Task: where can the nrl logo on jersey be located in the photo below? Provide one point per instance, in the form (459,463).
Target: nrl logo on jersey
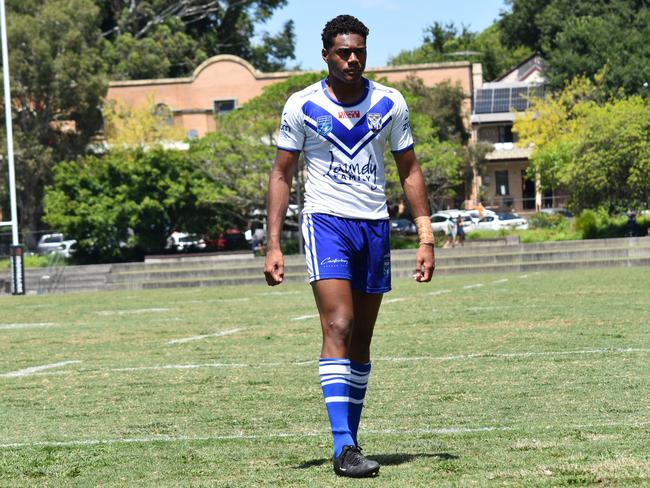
(324,124)
(374,121)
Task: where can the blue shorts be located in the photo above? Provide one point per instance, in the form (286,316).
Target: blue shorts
(349,249)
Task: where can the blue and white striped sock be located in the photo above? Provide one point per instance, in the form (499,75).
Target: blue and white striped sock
(335,382)
(359,374)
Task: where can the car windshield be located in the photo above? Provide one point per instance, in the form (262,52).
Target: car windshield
(507,216)
(439,218)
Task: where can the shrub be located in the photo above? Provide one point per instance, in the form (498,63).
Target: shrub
(587,224)
(548,221)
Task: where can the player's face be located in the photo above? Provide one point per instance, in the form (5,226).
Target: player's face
(346,59)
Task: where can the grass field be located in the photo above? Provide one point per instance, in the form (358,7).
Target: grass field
(485,380)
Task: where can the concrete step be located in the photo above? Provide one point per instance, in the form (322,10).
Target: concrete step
(399,260)
(188,270)
(396,273)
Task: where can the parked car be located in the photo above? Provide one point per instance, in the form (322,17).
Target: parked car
(439,220)
(509,220)
(230,240)
(403,227)
(476,215)
(182,241)
(55,243)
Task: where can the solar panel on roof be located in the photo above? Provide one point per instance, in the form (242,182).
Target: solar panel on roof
(502,100)
(519,98)
(483,101)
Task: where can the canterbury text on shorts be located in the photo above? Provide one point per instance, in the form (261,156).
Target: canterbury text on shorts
(357,250)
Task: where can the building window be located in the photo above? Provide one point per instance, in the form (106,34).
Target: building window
(505,133)
(224,106)
(165,113)
(501,179)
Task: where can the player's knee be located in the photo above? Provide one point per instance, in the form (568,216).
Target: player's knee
(338,328)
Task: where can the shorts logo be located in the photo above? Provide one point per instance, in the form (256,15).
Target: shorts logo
(374,121)
(351,114)
(328,261)
(387,265)
(324,124)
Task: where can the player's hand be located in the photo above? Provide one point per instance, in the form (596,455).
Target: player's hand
(425,263)
(274,267)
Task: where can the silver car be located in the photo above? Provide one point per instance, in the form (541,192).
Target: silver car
(55,243)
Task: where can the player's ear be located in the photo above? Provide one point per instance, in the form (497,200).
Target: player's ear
(325,54)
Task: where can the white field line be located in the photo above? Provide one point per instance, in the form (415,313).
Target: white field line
(205,336)
(394,300)
(523,277)
(36,369)
(278,293)
(215,300)
(133,312)
(279,435)
(477,285)
(439,292)
(459,357)
(36,325)
(181,366)
(488,355)
(504,280)
(304,317)
(523,305)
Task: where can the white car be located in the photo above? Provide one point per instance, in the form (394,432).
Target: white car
(55,243)
(182,241)
(439,220)
(500,221)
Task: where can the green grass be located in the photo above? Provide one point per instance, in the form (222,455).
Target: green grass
(540,380)
(34,261)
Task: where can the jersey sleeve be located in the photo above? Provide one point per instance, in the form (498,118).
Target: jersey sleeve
(401,138)
(292,126)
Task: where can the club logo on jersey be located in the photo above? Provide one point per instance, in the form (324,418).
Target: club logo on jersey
(374,121)
(324,124)
(350,114)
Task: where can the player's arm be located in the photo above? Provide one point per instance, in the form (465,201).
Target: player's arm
(412,180)
(276,210)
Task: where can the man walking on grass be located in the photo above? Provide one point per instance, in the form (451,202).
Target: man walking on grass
(342,124)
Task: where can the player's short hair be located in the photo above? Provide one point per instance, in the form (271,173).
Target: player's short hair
(342,24)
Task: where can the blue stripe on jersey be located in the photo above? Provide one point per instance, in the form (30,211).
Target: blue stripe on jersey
(290,149)
(343,149)
(349,137)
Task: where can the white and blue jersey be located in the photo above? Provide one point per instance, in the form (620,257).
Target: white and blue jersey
(344,145)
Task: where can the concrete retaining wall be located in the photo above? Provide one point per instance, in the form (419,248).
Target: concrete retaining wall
(243,268)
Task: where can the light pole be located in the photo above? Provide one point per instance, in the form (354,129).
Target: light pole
(17,264)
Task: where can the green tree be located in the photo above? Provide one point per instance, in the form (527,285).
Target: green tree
(598,150)
(57,80)
(125,203)
(165,38)
(438,130)
(582,37)
(448,43)
(242,150)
